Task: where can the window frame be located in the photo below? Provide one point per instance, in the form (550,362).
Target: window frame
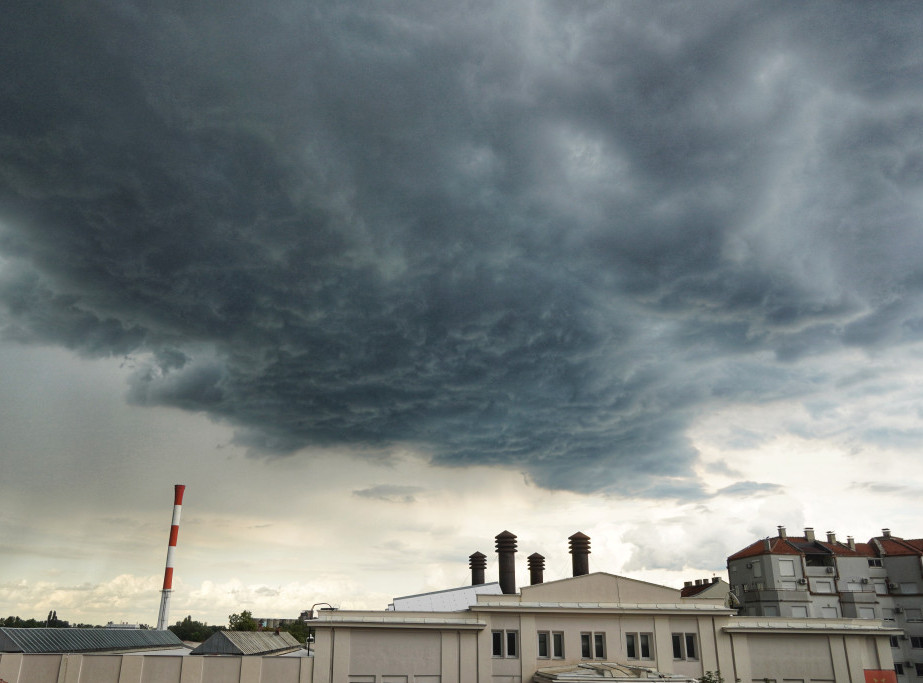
(544,636)
(681,642)
(507,638)
(642,643)
(592,645)
(557,638)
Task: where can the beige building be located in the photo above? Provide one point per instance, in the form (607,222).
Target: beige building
(592,618)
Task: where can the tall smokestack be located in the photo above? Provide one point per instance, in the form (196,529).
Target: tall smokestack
(506,550)
(164,614)
(478,563)
(580,553)
(536,568)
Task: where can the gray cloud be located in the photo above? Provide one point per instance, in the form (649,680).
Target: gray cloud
(389,493)
(545,244)
(749,488)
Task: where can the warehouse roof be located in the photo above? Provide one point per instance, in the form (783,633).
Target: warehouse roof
(47,640)
(247,643)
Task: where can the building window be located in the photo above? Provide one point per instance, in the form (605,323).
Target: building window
(557,645)
(505,643)
(592,645)
(893,641)
(919,669)
(543,651)
(639,645)
(916,641)
(786,567)
(685,646)
(512,642)
(874,562)
(899,669)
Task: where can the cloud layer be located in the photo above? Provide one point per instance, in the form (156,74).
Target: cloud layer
(540,237)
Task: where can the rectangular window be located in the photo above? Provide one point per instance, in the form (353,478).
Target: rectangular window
(557,645)
(691,649)
(899,669)
(631,647)
(919,669)
(916,642)
(645,641)
(512,642)
(893,641)
(874,562)
(543,645)
(505,643)
(593,645)
(599,645)
(685,646)
(786,567)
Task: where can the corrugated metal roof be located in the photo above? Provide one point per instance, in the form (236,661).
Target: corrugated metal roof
(45,640)
(247,643)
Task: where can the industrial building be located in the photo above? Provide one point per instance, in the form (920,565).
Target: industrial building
(805,577)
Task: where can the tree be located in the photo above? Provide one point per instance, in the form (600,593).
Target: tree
(712,677)
(242,622)
(298,629)
(193,631)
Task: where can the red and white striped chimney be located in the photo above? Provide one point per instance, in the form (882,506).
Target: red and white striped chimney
(164,614)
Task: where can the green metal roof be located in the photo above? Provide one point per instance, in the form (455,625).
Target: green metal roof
(44,640)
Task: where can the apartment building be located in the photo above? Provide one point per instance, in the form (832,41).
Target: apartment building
(806,577)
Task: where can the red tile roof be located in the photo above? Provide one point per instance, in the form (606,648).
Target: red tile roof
(688,591)
(800,545)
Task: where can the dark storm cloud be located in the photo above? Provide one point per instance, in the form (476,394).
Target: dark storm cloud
(544,237)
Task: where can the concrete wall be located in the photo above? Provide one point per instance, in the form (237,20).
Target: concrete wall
(75,668)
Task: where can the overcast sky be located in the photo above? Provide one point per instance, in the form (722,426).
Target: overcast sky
(378,281)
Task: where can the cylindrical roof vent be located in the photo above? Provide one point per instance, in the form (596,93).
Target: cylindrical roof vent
(536,568)
(478,563)
(580,553)
(506,553)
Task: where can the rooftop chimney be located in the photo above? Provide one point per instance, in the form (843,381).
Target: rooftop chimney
(536,568)
(715,579)
(580,553)
(851,542)
(698,582)
(782,533)
(809,533)
(686,584)
(478,563)
(831,537)
(886,533)
(506,551)
(767,543)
